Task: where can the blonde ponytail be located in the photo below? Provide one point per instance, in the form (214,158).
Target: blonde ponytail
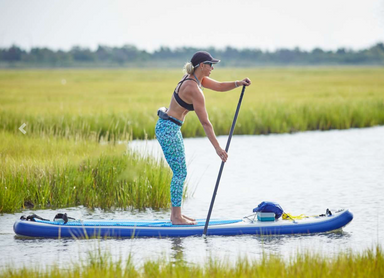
(188,68)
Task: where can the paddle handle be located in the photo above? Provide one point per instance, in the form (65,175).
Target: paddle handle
(222,163)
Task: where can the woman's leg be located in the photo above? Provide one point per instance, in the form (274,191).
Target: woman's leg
(172,144)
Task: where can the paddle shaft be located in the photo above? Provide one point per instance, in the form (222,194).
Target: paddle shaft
(222,163)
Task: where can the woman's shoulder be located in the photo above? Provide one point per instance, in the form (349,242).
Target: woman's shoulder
(190,90)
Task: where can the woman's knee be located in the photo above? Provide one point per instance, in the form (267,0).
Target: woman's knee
(180,174)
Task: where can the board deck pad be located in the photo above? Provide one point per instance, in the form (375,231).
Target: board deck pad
(139,223)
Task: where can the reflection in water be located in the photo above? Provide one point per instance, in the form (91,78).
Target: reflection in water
(276,240)
(177,250)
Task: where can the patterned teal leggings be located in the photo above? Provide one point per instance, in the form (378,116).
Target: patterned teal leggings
(171,141)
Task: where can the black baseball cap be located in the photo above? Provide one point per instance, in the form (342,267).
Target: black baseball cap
(203,57)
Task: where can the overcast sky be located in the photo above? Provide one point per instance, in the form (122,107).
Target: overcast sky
(149,24)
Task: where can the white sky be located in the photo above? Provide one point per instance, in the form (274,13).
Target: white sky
(149,24)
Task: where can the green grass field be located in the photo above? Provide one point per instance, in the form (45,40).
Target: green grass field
(54,172)
(116,104)
(369,263)
(59,161)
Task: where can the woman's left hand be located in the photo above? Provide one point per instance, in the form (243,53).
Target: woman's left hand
(246,81)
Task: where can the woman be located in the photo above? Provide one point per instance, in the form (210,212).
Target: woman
(188,96)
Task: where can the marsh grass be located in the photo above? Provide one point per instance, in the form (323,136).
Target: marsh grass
(369,263)
(117,104)
(55,172)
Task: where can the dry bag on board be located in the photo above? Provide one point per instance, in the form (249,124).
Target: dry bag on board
(269,207)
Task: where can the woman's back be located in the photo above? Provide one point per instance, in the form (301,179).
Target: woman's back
(182,98)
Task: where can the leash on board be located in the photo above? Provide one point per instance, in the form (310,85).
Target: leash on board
(222,163)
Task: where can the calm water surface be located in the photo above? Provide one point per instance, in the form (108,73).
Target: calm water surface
(304,172)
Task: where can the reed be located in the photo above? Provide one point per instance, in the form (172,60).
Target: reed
(55,173)
(116,104)
(369,263)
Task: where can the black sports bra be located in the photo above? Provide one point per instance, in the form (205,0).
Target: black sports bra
(181,102)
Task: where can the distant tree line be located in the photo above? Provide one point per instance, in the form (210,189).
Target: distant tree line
(131,56)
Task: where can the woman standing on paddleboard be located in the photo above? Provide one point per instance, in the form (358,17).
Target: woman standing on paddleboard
(188,96)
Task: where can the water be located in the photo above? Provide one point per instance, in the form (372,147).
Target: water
(304,172)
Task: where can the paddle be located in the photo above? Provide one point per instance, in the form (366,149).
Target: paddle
(222,163)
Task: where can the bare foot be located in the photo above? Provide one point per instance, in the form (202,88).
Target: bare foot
(182,221)
(186,217)
(189,218)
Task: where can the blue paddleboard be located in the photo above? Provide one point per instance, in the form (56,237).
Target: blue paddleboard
(161,228)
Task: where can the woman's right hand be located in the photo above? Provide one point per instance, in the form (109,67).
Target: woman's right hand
(222,154)
(246,82)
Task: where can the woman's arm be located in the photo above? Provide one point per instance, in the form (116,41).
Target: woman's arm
(201,112)
(214,85)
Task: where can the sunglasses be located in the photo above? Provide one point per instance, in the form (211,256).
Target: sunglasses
(210,64)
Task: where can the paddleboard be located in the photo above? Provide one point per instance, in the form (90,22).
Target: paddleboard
(160,228)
